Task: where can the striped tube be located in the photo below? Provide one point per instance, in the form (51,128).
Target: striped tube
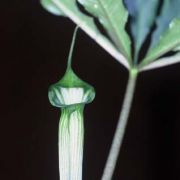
(71,133)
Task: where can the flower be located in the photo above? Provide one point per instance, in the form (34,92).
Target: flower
(71,94)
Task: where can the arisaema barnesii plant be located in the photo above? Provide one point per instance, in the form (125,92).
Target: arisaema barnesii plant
(153,28)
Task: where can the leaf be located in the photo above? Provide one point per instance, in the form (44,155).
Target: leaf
(51,7)
(168,41)
(162,62)
(177,48)
(143,14)
(113,16)
(169,11)
(86,23)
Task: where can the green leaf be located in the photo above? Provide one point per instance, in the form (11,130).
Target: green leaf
(168,41)
(113,16)
(143,14)
(86,23)
(170,10)
(162,62)
(176,48)
(51,7)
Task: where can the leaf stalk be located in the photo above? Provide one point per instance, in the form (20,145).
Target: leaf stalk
(121,126)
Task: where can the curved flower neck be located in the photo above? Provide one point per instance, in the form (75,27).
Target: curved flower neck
(70,90)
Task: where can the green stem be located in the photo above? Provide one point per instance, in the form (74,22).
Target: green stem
(69,63)
(121,126)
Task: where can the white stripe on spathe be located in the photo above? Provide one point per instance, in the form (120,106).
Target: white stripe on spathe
(71,145)
(69,96)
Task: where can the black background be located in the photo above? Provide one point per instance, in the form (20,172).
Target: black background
(33,52)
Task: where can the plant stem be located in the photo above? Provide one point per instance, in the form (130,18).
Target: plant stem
(69,63)
(121,126)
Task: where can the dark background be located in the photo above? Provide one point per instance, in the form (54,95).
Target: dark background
(33,52)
